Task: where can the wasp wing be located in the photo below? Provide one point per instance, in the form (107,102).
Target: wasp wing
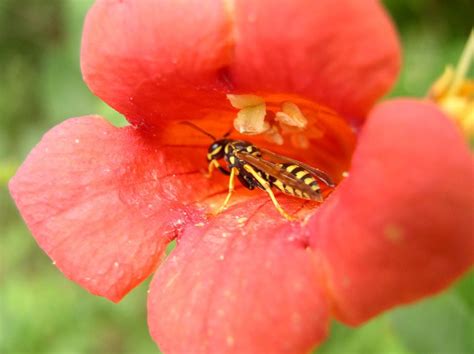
(276,171)
(316,172)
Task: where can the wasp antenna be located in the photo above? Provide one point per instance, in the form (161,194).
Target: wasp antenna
(198,129)
(228,133)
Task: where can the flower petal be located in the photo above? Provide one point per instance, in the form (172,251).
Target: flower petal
(103,202)
(400,227)
(153,59)
(344,54)
(242,283)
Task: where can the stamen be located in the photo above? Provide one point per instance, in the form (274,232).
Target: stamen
(274,136)
(454,92)
(300,141)
(276,119)
(245,101)
(291,115)
(251,120)
(251,117)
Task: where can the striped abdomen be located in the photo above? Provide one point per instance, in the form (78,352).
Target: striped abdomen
(302,180)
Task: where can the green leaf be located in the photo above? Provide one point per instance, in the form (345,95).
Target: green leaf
(439,325)
(377,336)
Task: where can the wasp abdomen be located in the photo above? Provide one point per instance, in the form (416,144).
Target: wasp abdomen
(301,175)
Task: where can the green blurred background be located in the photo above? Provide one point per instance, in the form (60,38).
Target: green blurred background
(41,85)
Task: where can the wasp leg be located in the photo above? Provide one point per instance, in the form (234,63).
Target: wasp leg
(213,164)
(231,189)
(268,189)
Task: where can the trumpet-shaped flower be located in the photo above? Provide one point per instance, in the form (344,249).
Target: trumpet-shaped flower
(303,76)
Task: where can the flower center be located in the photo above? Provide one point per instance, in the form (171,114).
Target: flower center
(284,124)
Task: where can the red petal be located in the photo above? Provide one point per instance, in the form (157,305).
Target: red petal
(344,54)
(103,202)
(152,59)
(400,227)
(243,283)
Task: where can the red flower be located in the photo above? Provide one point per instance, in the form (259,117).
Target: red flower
(104,202)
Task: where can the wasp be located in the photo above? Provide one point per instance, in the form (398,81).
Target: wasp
(261,168)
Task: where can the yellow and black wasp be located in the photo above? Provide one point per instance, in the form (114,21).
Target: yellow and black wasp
(261,168)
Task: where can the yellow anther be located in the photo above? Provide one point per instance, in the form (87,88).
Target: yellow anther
(291,115)
(245,101)
(275,121)
(454,92)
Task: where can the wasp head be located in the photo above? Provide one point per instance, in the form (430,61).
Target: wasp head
(216,150)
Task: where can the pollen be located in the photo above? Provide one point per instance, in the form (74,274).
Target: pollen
(241,220)
(453,92)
